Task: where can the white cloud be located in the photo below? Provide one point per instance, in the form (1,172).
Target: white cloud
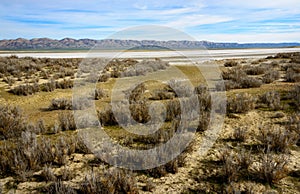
(255,4)
(252,38)
(196,20)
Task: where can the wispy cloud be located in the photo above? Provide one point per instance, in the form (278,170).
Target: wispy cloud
(215,20)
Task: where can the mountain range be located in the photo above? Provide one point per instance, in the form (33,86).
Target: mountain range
(69,43)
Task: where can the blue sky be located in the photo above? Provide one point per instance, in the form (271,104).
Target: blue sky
(212,20)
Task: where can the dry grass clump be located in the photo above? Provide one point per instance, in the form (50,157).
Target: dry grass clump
(241,103)
(110,182)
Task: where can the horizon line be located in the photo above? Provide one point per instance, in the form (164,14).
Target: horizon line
(59,39)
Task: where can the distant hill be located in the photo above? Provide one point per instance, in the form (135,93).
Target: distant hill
(69,43)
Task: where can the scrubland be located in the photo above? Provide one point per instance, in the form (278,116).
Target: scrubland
(42,149)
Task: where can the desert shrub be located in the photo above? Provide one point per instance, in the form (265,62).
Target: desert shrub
(234,74)
(230,63)
(81,102)
(173,109)
(139,111)
(60,104)
(292,75)
(58,188)
(141,68)
(12,122)
(161,94)
(295,58)
(295,95)
(104,77)
(40,127)
(106,116)
(271,99)
(63,147)
(44,74)
(66,174)
(112,181)
(254,70)
(9,80)
(180,88)
(65,84)
(49,86)
(25,90)
(48,174)
(160,136)
(230,168)
(204,121)
(45,149)
(229,85)
(20,157)
(293,125)
(204,97)
(81,146)
(99,94)
(272,168)
(236,78)
(66,121)
(275,139)
(240,134)
(244,159)
(250,82)
(157,172)
(271,76)
(136,93)
(240,103)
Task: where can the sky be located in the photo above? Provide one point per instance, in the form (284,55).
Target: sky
(210,20)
